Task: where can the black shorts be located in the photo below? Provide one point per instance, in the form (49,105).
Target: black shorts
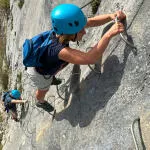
(12,107)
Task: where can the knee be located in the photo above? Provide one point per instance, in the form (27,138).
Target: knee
(14,114)
(40,94)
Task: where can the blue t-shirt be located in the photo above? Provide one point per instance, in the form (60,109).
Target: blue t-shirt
(50,60)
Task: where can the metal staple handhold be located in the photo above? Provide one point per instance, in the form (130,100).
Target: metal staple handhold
(122,36)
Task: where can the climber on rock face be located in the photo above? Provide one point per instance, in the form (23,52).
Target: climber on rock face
(69,24)
(10,99)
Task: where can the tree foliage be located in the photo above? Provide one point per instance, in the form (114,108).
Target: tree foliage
(4,7)
(95,4)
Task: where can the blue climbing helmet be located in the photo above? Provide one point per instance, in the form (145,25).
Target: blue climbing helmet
(67,19)
(15,94)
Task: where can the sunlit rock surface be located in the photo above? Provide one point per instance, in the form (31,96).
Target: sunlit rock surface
(96,111)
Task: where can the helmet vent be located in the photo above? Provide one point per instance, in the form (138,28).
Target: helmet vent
(70,24)
(76,23)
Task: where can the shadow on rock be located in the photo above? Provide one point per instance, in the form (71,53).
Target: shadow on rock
(24,111)
(94,92)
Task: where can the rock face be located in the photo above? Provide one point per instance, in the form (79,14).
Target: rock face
(96,111)
(145,127)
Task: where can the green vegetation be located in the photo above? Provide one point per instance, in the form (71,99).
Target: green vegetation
(1,118)
(4,73)
(2,48)
(20,88)
(1,146)
(1,135)
(5,79)
(20,3)
(4,13)
(3,68)
(11,22)
(4,8)
(19,79)
(4,5)
(18,84)
(95,4)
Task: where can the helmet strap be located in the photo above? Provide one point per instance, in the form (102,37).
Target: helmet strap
(11,96)
(76,38)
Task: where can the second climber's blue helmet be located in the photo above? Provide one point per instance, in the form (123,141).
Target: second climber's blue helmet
(67,19)
(15,94)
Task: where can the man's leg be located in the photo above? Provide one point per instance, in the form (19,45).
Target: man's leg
(40,95)
(13,112)
(14,115)
(42,83)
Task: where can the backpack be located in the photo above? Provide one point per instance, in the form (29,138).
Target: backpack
(4,95)
(35,47)
(5,102)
